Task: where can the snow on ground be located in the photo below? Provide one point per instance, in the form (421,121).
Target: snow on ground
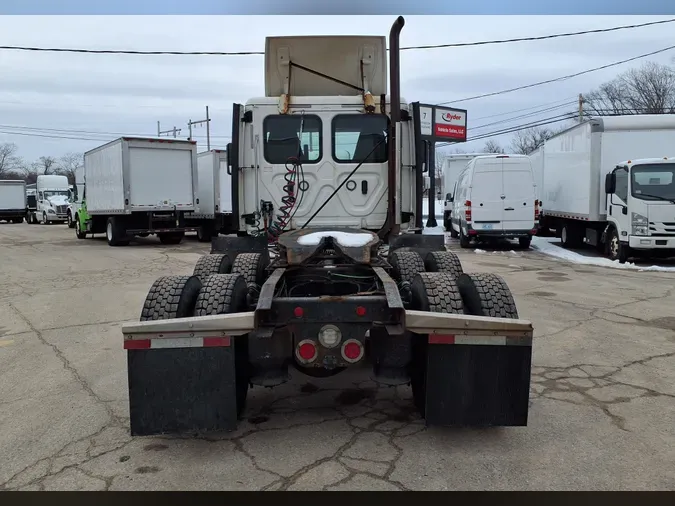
(440,205)
(545,246)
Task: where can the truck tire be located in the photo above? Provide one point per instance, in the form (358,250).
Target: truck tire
(487,295)
(44,218)
(405,265)
(78,228)
(171,297)
(525,242)
(615,250)
(71,223)
(453,233)
(116,233)
(204,234)
(251,266)
(227,294)
(436,292)
(171,237)
(18,220)
(208,265)
(443,261)
(464,241)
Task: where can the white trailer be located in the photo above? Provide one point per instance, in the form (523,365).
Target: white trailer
(13,203)
(452,166)
(215,196)
(53,194)
(140,186)
(609,181)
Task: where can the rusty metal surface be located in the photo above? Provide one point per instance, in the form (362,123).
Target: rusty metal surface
(296,253)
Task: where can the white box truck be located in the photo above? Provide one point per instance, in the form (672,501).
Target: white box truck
(13,203)
(214,191)
(452,166)
(53,193)
(609,181)
(137,187)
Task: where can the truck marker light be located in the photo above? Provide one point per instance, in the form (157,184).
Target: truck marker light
(306,351)
(298,312)
(330,336)
(141,344)
(360,311)
(352,351)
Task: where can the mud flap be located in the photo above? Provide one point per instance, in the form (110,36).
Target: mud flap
(477,385)
(178,390)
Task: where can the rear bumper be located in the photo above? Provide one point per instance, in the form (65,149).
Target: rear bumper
(502,233)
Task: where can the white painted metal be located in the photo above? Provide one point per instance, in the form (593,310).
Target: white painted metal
(12,195)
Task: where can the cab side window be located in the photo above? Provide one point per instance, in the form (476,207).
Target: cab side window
(622,184)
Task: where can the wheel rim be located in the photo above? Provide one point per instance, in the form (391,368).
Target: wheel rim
(70,220)
(77,226)
(564,235)
(614,246)
(44,217)
(108,231)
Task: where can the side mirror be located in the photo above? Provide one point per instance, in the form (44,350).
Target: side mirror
(449,197)
(610,183)
(305,152)
(624,210)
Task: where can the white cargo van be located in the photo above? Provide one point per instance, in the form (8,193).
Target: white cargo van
(452,167)
(495,197)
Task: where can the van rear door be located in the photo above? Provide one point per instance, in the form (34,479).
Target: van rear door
(519,195)
(487,208)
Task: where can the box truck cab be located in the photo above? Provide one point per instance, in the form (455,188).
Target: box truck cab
(641,208)
(495,198)
(53,194)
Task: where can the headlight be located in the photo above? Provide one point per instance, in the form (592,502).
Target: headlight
(640,224)
(51,211)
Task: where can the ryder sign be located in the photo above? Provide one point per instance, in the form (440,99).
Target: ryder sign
(440,124)
(450,124)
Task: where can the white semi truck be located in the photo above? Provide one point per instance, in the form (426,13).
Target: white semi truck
(52,199)
(610,182)
(214,190)
(137,187)
(13,203)
(76,193)
(329,269)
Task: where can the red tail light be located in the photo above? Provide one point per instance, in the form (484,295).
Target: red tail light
(306,351)
(536,210)
(352,351)
(467,211)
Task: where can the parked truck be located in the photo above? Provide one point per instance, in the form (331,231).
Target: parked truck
(329,269)
(215,196)
(53,194)
(609,182)
(76,194)
(31,204)
(138,187)
(13,203)
(453,164)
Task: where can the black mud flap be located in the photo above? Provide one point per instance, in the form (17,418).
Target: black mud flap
(236,245)
(477,385)
(179,390)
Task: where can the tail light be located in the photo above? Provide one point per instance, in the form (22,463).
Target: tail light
(536,210)
(352,351)
(467,211)
(306,351)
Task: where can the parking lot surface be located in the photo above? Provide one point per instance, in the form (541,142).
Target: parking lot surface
(602,410)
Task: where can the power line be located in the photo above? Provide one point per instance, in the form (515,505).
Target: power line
(562,78)
(92,132)
(574,98)
(249,53)
(530,114)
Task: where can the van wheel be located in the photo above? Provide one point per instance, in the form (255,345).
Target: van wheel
(464,241)
(71,223)
(525,242)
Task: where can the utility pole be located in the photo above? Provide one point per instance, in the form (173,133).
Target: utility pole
(581,107)
(173,131)
(208,130)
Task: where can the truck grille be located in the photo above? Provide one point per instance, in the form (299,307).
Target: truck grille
(661,229)
(61,209)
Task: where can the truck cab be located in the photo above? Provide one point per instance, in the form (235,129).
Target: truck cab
(53,194)
(641,208)
(294,147)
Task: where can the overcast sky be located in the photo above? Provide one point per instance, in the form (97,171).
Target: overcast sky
(71,95)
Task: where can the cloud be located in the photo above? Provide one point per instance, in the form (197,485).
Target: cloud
(124,93)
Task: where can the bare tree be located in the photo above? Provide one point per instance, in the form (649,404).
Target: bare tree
(493,147)
(9,162)
(649,89)
(45,165)
(69,164)
(528,140)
